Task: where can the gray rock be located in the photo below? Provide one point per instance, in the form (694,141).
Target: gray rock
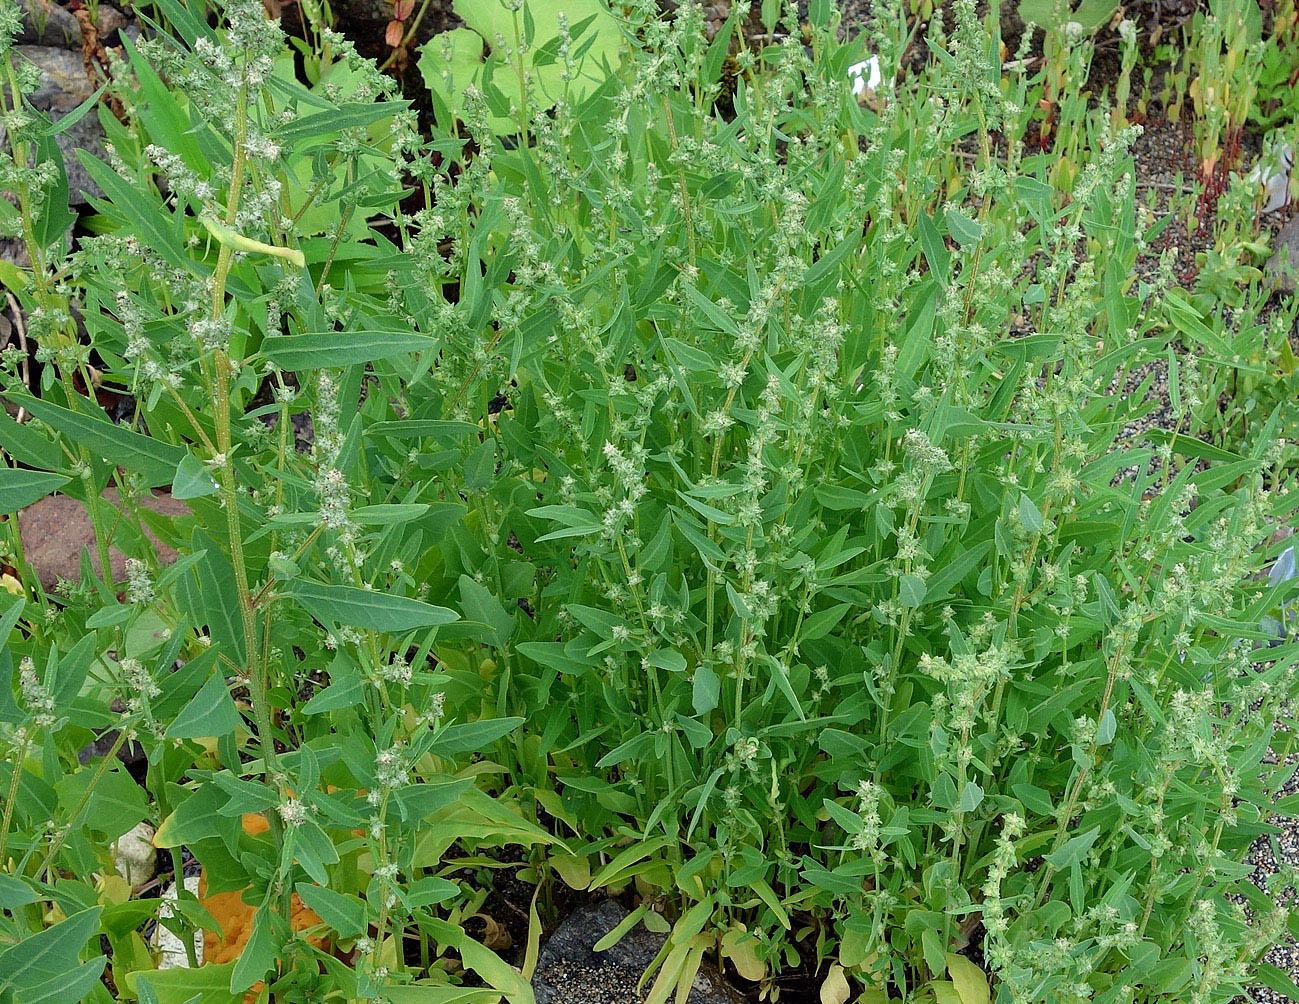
(569,971)
(108,20)
(1283,266)
(47,23)
(62,88)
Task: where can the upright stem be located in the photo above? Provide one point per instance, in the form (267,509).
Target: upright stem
(10,801)
(226,469)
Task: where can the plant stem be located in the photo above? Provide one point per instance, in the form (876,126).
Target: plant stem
(257,683)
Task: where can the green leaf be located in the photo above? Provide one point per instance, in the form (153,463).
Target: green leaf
(706,689)
(911,590)
(601,622)
(597,45)
(191,479)
(339,349)
(715,315)
(970,981)
(480,466)
(115,803)
(1276,979)
(480,605)
(1107,728)
(132,205)
(624,751)
(154,460)
(439,993)
(68,988)
(20,488)
(449,62)
(313,849)
(354,115)
(935,251)
(345,914)
(49,954)
(259,953)
(388,514)
(1047,14)
(211,713)
(470,737)
(688,356)
(198,818)
(208,984)
(208,594)
(55,215)
(422,428)
(14,893)
(494,970)
(1092,14)
(556,656)
(369,609)
(1074,850)
(665,658)
(971,796)
(345,688)
(1029,515)
(963,229)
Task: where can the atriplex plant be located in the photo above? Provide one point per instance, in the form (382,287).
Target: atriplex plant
(728,503)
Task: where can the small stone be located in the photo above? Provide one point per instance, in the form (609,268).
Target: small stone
(1283,266)
(56,529)
(46,23)
(108,20)
(171,950)
(866,77)
(63,87)
(134,856)
(1272,174)
(570,971)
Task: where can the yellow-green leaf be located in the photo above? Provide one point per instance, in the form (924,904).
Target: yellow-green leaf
(970,981)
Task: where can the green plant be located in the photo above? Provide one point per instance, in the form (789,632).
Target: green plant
(682,520)
(1223,63)
(1274,100)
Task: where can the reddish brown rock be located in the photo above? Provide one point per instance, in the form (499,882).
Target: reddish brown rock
(56,529)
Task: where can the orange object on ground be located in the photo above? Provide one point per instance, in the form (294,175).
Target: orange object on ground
(236,917)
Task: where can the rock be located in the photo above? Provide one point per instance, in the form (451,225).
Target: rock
(172,953)
(134,856)
(1283,266)
(56,529)
(63,87)
(1272,174)
(866,77)
(108,21)
(570,971)
(48,23)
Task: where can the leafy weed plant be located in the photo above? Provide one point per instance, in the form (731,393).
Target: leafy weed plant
(720,494)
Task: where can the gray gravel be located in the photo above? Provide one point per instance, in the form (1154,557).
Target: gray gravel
(570,971)
(1270,855)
